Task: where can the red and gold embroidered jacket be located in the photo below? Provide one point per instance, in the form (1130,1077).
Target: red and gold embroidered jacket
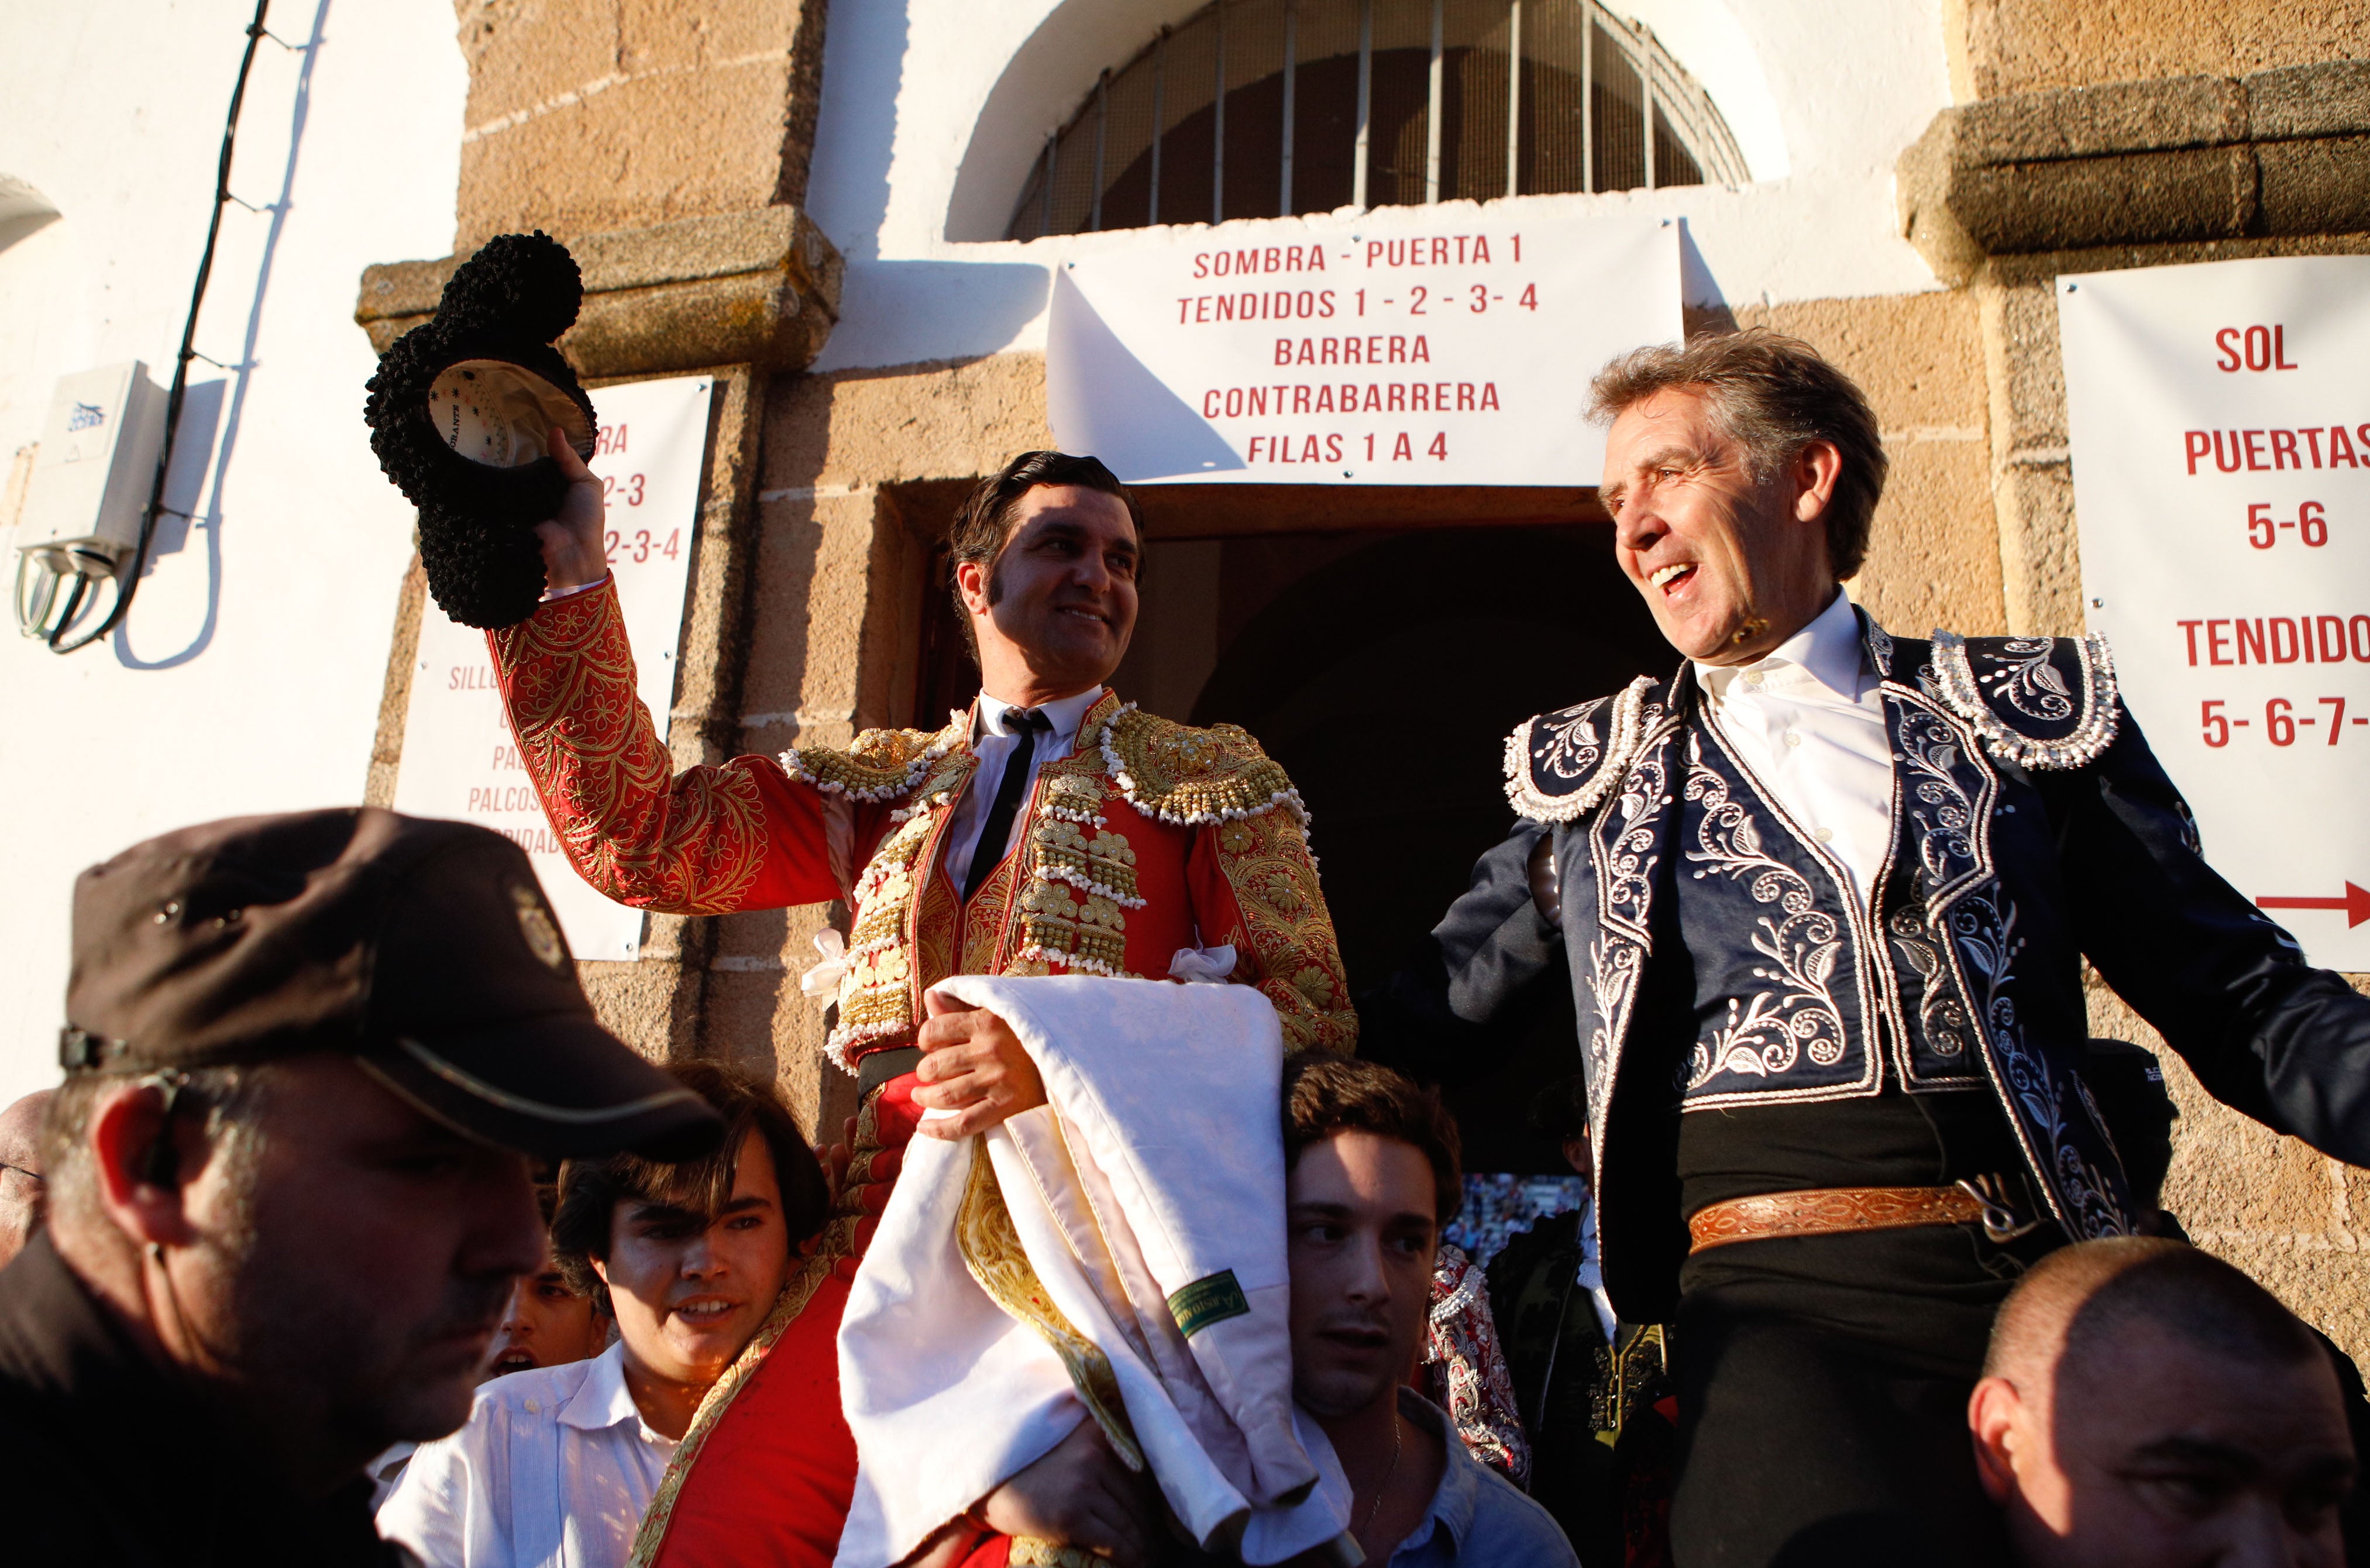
(1148,838)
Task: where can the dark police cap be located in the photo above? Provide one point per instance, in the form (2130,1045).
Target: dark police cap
(422,948)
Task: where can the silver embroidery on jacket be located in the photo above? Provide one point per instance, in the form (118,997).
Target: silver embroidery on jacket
(1767,1035)
(1624,858)
(2021,675)
(1985,939)
(1560,764)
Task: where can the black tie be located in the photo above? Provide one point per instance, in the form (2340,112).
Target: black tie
(1028,724)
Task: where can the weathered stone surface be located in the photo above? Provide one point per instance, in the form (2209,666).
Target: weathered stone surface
(395,698)
(2315,187)
(749,288)
(2001,47)
(910,423)
(587,115)
(769,239)
(2196,193)
(715,632)
(2328,97)
(2084,122)
(1932,558)
(2177,161)
(1926,179)
(652,1005)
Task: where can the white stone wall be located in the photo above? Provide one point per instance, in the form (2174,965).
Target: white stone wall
(249,674)
(932,111)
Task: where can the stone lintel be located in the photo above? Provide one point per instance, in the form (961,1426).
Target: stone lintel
(2180,160)
(757,288)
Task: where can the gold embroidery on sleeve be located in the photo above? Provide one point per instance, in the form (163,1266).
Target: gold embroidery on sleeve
(689,844)
(1266,862)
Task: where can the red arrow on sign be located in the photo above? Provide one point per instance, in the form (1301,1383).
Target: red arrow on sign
(2356,904)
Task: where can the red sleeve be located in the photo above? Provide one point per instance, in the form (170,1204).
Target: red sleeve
(705,841)
(1254,885)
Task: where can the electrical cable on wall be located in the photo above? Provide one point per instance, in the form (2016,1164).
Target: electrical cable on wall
(49,620)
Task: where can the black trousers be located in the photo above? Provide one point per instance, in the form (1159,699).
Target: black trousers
(1823,1401)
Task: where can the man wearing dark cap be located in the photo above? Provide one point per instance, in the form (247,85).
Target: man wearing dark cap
(308,1058)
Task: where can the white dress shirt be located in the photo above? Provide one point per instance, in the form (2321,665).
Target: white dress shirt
(992,745)
(1809,722)
(553,1470)
(1590,1275)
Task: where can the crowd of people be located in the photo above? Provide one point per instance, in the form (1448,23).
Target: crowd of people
(352,1235)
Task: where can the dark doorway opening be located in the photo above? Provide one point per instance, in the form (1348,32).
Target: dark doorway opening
(1384,669)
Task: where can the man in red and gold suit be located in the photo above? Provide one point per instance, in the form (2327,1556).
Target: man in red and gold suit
(1053,829)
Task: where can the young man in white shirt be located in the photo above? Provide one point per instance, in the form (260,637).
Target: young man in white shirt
(548,1320)
(1371,1177)
(557,1464)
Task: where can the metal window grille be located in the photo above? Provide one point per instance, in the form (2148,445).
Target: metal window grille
(1261,108)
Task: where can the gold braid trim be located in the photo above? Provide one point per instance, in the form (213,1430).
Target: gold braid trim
(992,1251)
(879,765)
(786,1308)
(1029,1552)
(1266,862)
(1194,778)
(1081,874)
(878,995)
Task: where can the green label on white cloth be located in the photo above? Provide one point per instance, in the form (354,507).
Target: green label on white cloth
(1212,1298)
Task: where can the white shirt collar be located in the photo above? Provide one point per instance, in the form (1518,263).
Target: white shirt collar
(1829,650)
(602,1399)
(1067,713)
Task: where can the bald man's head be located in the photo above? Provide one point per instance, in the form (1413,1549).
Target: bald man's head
(2145,1402)
(22,1191)
(2079,1298)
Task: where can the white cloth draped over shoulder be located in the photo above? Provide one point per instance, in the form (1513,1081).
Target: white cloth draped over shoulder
(1146,1192)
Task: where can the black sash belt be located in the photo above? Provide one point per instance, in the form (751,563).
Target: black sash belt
(877,1068)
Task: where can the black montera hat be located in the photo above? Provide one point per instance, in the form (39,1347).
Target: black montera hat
(461,414)
(425,950)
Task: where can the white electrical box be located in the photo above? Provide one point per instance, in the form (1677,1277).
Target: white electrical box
(96,469)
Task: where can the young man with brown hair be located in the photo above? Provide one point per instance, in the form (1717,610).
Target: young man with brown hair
(1371,1177)
(1053,829)
(697,1263)
(549,1321)
(1822,897)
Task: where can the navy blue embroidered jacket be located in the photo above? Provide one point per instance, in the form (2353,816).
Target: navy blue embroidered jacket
(2032,828)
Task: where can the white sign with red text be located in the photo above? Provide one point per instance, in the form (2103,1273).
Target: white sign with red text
(2220,423)
(1454,352)
(459,759)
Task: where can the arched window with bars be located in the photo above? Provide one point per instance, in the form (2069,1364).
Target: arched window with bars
(1257,109)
